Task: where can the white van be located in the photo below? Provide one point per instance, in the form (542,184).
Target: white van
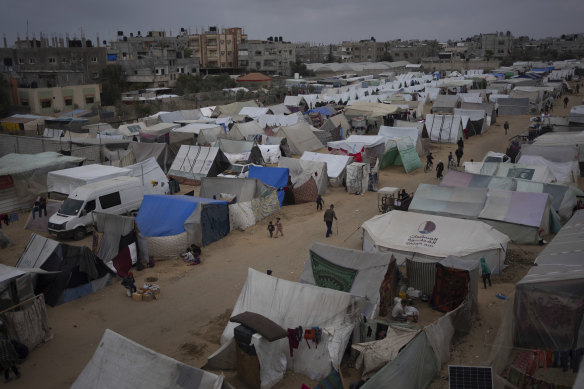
(116,196)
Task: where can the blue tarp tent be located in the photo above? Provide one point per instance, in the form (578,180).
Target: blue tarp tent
(205,220)
(322,110)
(273,176)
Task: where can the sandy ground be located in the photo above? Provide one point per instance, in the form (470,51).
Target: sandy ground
(196,301)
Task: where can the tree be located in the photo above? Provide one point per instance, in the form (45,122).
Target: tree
(300,68)
(113,83)
(386,57)
(489,54)
(5,106)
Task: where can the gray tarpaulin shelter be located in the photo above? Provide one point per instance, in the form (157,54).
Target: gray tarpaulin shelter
(363,274)
(243,131)
(446,104)
(300,138)
(241,151)
(119,362)
(513,106)
(306,173)
(444,128)
(549,308)
(336,165)
(65,181)
(489,108)
(473,120)
(196,162)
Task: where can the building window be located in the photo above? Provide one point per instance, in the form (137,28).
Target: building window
(24,102)
(52,60)
(124,55)
(31,61)
(89,99)
(93,59)
(46,103)
(20,61)
(222,53)
(68,101)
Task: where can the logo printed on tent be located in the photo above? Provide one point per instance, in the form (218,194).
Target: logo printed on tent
(427,227)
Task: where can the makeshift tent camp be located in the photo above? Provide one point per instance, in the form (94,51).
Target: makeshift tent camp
(363,148)
(549,309)
(506,169)
(459,202)
(245,131)
(576,115)
(446,104)
(403,147)
(118,245)
(121,363)
(563,197)
(252,199)
(157,133)
(280,120)
(276,177)
(335,165)
(358,177)
(24,176)
(240,151)
(253,112)
(309,178)
(564,172)
(74,270)
(233,108)
(489,108)
(196,162)
(153,178)
(337,126)
(289,305)
(513,106)
(369,275)
(65,181)
(473,121)
(300,138)
(444,128)
(189,134)
(129,131)
(430,238)
(172,223)
(270,153)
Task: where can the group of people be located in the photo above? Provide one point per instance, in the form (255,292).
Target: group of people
(329,217)
(40,206)
(278,227)
(403,310)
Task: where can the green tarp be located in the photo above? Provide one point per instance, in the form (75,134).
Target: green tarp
(332,276)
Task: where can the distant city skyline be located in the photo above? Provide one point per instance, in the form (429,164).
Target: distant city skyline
(298,21)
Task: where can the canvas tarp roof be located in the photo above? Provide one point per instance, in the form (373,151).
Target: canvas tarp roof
(195,162)
(553,153)
(449,201)
(290,304)
(564,172)
(131,130)
(119,362)
(245,189)
(356,143)
(562,139)
(431,237)
(66,180)
(273,176)
(253,112)
(367,109)
(300,138)
(444,128)
(489,108)
(353,271)
(279,109)
(576,114)
(403,148)
(474,120)
(555,285)
(153,178)
(280,120)
(513,106)
(158,130)
(391,133)
(506,169)
(336,165)
(446,103)
(301,171)
(240,151)
(242,131)
(233,108)
(270,153)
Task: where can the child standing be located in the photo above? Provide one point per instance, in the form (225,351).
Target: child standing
(271,229)
(279,228)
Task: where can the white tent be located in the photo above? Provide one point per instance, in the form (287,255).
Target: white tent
(393,133)
(430,238)
(300,138)
(119,362)
(291,304)
(444,128)
(358,177)
(66,180)
(243,131)
(475,120)
(335,165)
(280,120)
(565,172)
(253,112)
(504,169)
(153,178)
(195,162)
(302,171)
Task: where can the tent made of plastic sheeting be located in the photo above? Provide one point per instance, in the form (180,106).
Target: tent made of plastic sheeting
(549,309)
(473,121)
(67,180)
(153,178)
(429,238)
(233,108)
(505,169)
(254,112)
(280,120)
(293,101)
(119,362)
(519,215)
(171,117)
(563,197)
(240,151)
(158,132)
(276,177)
(129,131)
(337,126)
(208,136)
(358,177)
(196,162)
(446,104)
(369,275)
(335,165)
(363,148)
(73,271)
(243,131)
(204,220)
(189,134)
(309,178)
(291,304)
(565,172)
(489,108)
(118,233)
(391,133)
(403,148)
(513,107)
(444,128)
(279,109)
(24,176)
(472,97)
(459,202)
(270,153)
(563,139)
(576,114)
(300,138)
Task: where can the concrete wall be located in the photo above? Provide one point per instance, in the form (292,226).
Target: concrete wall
(48,101)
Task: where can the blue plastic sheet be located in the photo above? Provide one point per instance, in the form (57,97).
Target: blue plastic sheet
(163,215)
(273,176)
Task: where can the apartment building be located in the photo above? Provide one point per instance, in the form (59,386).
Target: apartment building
(500,44)
(217,50)
(270,57)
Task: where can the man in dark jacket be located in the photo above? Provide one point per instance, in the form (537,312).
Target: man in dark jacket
(459,154)
(439,170)
(329,215)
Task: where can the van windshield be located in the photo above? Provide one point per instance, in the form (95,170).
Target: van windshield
(71,207)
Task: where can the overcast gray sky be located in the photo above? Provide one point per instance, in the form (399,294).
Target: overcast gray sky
(296,20)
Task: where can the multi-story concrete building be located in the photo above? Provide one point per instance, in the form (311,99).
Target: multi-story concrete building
(58,62)
(49,101)
(271,57)
(321,53)
(362,51)
(154,59)
(500,44)
(217,50)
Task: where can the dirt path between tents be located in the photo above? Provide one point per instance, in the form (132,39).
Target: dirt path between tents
(195,303)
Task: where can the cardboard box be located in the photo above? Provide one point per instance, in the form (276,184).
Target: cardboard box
(137,296)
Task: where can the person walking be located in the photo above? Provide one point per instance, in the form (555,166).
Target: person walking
(506,127)
(279,228)
(459,153)
(566,101)
(460,143)
(36,208)
(329,216)
(271,229)
(486,272)
(439,170)
(8,358)
(319,203)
